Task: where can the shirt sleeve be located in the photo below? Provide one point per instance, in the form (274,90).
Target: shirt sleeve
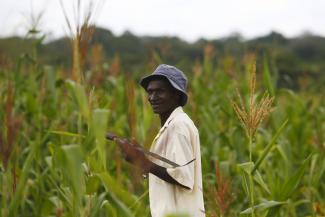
(180,151)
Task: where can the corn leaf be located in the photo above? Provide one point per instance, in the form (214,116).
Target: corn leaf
(268,147)
(263,206)
(247,168)
(292,183)
(80,96)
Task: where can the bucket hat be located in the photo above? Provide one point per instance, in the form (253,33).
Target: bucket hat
(175,77)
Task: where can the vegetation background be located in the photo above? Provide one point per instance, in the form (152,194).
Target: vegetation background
(262,154)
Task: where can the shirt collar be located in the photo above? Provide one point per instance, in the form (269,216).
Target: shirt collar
(176,112)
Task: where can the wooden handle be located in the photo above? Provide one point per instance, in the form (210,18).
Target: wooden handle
(111,136)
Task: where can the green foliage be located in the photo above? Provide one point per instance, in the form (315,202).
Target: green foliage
(61,165)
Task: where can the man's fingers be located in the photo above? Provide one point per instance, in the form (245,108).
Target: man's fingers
(130,150)
(121,141)
(135,143)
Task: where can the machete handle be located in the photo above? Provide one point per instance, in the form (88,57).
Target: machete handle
(111,136)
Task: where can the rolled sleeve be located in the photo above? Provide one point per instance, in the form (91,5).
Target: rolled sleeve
(181,152)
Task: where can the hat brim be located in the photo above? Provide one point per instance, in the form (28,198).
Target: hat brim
(145,82)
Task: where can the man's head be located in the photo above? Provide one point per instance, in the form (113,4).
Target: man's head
(162,96)
(171,79)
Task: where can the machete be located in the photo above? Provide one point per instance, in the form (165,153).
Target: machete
(112,136)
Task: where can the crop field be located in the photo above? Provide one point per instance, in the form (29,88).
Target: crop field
(263,147)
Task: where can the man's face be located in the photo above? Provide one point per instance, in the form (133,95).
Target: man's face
(162,96)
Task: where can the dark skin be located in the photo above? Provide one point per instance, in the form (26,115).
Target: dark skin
(163,99)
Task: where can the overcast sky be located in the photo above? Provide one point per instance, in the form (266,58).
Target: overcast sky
(188,19)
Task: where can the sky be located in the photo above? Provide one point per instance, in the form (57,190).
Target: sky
(187,19)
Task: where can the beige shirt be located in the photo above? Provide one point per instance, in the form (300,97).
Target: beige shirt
(178,140)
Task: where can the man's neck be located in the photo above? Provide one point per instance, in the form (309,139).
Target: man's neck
(165,116)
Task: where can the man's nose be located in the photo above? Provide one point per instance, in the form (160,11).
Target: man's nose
(152,96)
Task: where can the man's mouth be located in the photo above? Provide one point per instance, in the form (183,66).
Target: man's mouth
(156,105)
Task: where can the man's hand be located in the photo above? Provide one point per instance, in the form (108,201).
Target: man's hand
(133,154)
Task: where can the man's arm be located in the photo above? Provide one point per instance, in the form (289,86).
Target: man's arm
(138,158)
(161,172)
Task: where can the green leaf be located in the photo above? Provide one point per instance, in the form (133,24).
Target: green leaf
(247,168)
(109,208)
(270,84)
(79,94)
(99,126)
(263,206)
(14,203)
(92,184)
(69,160)
(121,207)
(122,198)
(97,205)
(111,185)
(268,147)
(292,183)
(64,133)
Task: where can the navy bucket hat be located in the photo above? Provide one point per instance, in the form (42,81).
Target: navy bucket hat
(175,77)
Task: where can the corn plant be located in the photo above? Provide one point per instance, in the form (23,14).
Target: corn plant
(54,160)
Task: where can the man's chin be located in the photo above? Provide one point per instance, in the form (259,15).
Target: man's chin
(156,110)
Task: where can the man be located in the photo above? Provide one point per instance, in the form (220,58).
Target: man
(172,189)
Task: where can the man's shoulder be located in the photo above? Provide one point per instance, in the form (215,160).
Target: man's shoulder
(182,122)
(182,118)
